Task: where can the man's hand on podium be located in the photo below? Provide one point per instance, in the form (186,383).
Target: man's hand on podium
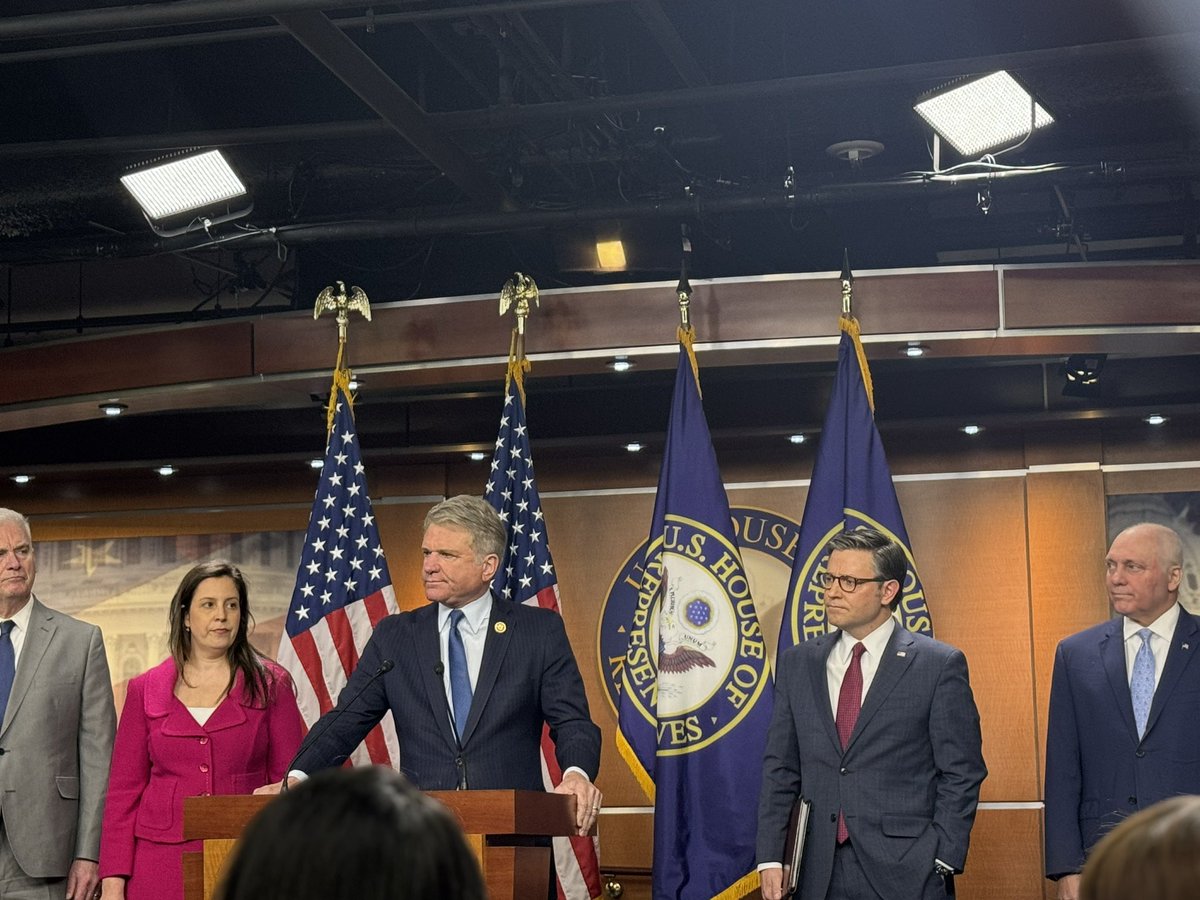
(587,799)
(277,786)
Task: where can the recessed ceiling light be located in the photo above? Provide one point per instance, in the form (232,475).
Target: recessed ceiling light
(634,447)
(354,384)
(22,479)
(797,438)
(914,349)
(477,456)
(1156,419)
(620,363)
(113,408)
(971,430)
(316,463)
(166,471)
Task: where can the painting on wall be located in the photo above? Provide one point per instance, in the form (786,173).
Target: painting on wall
(1179,510)
(125,585)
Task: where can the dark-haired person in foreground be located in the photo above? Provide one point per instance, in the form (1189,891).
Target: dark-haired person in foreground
(214,718)
(1154,853)
(470,679)
(877,727)
(353,834)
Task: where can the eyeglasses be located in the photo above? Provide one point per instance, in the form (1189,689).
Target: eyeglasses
(848,582)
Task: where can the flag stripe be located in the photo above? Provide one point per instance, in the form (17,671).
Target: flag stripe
(342,588)
(526,575)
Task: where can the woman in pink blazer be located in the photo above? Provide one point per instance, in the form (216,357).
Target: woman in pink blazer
(215,718)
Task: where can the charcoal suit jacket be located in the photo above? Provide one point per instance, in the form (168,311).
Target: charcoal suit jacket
(908,780)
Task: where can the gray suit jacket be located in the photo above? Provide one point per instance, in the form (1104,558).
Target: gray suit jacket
(908,781)
(56,740)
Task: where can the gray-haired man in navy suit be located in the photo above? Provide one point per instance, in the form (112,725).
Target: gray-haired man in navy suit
(1124,729)
(474,678)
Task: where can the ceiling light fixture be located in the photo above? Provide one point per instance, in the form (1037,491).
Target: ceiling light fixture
(610,254)
(1081,375)
(112,408)
(914,350)
(354,384)
(797,438)
(620,364)
(1156,419)
(477,456)
(186,192)
(971,430)
(983,113)
(22,479)
(166,471)
(316,463)
(635,447)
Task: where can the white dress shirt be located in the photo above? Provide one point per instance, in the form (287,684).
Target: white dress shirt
(20,629)
(1162,630)
(474,628)
(839,660)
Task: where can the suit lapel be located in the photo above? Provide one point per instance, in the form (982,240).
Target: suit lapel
(1179,657)
(495,648)
(1112,657)
(819,681)
(428,651)
(898,654)
(41,632)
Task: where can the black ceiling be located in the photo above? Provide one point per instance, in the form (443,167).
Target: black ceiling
(536,120)
(431,148)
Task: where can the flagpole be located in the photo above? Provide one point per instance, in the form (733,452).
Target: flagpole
(849,324)
(338,301)
(515,295)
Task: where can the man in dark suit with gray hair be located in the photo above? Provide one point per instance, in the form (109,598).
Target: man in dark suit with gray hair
(877,727)
(470,679)
(56,733)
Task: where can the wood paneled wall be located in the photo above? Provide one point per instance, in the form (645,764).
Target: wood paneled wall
(1009,537)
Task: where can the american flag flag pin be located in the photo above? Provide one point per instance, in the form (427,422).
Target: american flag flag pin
(901,653)
(500,628)
(1187,646)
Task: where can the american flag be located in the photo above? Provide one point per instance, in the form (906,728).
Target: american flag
(343,589)
(526,575)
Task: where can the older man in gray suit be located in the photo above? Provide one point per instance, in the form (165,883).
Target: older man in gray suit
(878,728)
(56,733)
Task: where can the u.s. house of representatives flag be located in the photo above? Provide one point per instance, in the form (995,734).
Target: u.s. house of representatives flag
(342,589)
(526,575)
(696,694)
(851,487)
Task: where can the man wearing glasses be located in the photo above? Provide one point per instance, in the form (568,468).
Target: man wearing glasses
(877,727)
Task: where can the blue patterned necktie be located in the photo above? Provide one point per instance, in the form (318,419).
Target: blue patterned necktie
(8,666)
(1141,685)
(460,678)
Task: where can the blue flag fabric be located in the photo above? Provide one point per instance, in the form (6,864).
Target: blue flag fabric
(851,487)
(696,693)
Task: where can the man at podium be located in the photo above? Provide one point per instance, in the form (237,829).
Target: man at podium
(470,679)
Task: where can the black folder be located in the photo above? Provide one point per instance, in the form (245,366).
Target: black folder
(793,846)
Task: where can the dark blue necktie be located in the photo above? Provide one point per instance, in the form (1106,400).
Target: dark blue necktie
(8,666)
(460,678)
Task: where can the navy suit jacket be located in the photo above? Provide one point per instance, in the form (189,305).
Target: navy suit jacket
(908,780)
(1097,771)
(527,677)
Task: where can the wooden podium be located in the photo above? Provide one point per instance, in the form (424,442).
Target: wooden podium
(501,828)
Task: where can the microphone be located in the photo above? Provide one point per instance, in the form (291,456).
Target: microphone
(327,720)
(461,764)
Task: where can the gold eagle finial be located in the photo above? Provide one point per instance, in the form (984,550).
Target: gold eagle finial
(515,295)
(339,301)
